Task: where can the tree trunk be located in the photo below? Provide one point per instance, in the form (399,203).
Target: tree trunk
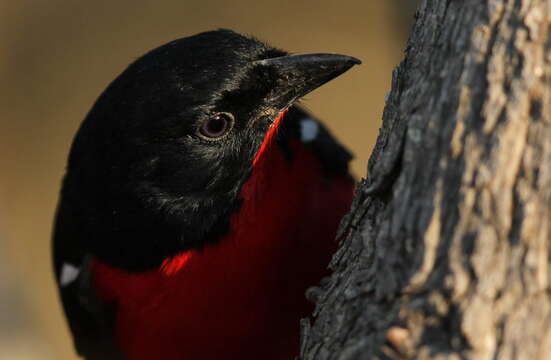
(446,251)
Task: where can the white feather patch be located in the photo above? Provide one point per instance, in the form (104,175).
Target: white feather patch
(69,273)
(308,130)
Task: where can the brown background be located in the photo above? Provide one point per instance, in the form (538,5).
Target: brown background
(58,55)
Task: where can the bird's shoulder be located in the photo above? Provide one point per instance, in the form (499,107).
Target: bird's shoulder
(300,125)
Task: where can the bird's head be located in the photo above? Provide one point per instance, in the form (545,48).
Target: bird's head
(157,166)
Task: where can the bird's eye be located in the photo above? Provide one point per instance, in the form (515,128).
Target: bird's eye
(217,126)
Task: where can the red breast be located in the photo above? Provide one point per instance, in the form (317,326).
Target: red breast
(243,296)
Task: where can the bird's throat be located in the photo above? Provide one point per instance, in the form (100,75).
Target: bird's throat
(268,139)
(249,191)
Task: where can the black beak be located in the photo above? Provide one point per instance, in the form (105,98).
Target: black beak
(297,75)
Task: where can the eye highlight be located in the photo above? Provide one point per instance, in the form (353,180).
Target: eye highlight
(217,126)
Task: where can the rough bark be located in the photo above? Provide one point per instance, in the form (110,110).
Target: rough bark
(446,251)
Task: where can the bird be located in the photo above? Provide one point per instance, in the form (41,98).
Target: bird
(200,200)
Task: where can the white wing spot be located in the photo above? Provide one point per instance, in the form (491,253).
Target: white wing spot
(69,273)
(309,129)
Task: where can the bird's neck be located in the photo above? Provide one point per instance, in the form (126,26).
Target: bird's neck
(267,161)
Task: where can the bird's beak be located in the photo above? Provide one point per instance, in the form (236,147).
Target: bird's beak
(297,75)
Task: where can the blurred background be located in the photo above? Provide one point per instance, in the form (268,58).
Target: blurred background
(58,55)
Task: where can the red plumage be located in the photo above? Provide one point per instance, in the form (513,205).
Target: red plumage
(240,298)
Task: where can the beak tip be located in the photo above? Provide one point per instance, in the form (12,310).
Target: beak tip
(355,61)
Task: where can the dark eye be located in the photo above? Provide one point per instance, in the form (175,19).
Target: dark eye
(216,126)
